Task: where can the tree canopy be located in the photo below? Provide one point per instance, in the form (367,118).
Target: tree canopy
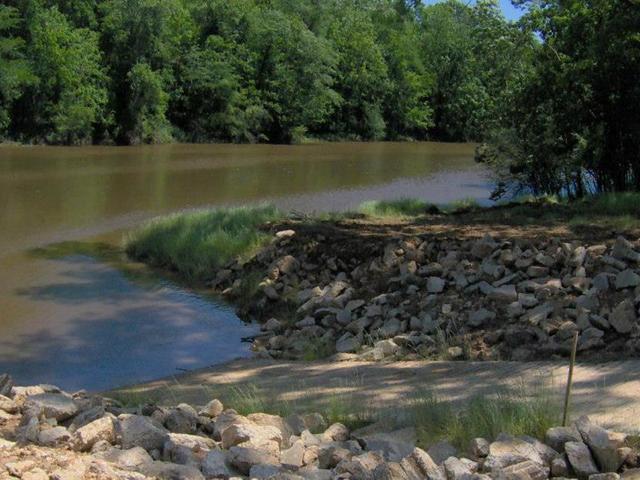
(146,71)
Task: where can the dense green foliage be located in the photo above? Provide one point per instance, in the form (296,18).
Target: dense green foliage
(149,71)
(556,95)
(573,124)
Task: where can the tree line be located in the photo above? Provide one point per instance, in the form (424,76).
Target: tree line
(147,71)
(555,95)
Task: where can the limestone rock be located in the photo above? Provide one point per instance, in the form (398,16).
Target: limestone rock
(256,435)
(623,317)
(215,465)
(627,279)
(129,459)
(420,465)
(504,294)
(212,409)
(54,437)
(87,436)
(580,459)
(139,431)
(603,444)
(6,384)
(348,343)
(556,437)
(435,284)
(171,471)
(243,458)
(623,250)
(8,405)
(53,405)
(479,317)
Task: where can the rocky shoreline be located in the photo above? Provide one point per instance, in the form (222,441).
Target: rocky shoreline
(325,291)
(46,433)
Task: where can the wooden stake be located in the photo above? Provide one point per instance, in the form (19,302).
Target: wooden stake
(570,380)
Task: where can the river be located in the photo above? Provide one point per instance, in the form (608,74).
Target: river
(77,321)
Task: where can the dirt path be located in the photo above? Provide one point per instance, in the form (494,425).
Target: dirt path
(608,392)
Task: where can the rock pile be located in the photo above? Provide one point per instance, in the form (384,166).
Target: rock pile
(432,296)
(46,433)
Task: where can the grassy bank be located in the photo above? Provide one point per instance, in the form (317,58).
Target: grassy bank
(195,244)
(517,411)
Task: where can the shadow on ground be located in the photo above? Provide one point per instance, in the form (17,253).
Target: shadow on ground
(609,392)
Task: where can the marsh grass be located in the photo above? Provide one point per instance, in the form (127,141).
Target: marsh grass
(464,205)
(318,348)
(403,207)
(514,411)
(196,244)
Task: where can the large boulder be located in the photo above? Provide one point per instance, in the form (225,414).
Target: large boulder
(420,465)
(348,343)
(581,459)
(103,429)
(129,459)
(171,471)
(58,406)
(623,317)
(8,405)
(627,279)
(6,384)
(256,435)
(182,419)
(243,458)
(186,449)
(623,249)
(360,466)
(139,431)
(504,294)
(215,465)
(525,470)
(556,437)
(54,437)
(212,409)
(603,444)
(508,450)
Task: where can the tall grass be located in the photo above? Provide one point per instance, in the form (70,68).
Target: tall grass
(618,204)
(195,244)
(403,207)
(514,412)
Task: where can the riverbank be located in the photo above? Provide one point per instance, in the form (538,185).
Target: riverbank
(409,281)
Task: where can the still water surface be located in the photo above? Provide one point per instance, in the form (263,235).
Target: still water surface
(78,322)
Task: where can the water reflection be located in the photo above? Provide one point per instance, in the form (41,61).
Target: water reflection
(115,331)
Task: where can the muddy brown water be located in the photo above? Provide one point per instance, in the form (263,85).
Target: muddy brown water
(79,322)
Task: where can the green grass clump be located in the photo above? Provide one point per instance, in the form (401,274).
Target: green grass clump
(404,207)
(516,413)
(463,205)
(615,204)
(318,348)
(195,244)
